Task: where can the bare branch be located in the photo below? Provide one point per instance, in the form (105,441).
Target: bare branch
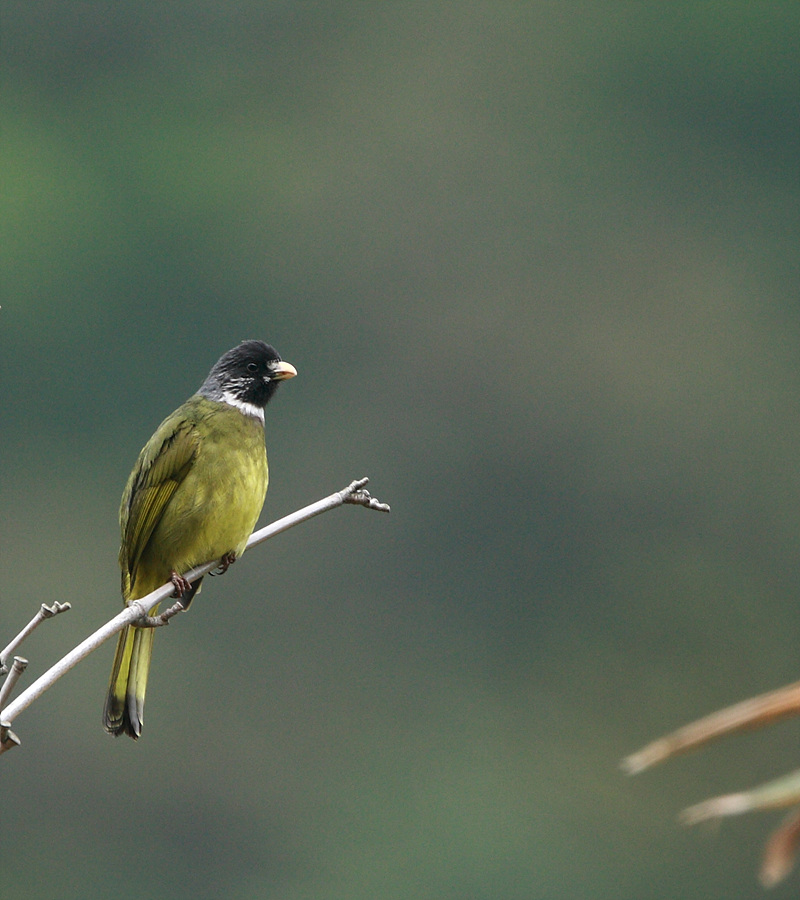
(162,618)
(17,668)
(751,713)
(353,493)
(45,612)
(130,614)
(137,610)
(357,494)
(776,794)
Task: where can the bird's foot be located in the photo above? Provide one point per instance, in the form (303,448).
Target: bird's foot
(224,564)
(182,586)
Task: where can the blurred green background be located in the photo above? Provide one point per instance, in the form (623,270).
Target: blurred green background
(537,265)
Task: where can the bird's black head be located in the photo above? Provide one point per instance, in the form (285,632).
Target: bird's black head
(247,376)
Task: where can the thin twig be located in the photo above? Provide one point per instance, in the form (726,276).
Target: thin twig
(751,713)
(17,668)
(137,610)
(45,612)
(162,618)
(358,495)
(354,493)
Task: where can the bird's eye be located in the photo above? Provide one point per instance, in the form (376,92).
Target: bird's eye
(252,367)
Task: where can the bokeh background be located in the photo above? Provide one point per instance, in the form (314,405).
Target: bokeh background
(537,266)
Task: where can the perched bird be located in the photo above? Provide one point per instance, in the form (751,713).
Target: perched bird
(193,496)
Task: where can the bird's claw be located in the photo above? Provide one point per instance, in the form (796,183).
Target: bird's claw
(224,564)
(182,586)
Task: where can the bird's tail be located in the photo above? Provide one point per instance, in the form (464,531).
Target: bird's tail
(124,709)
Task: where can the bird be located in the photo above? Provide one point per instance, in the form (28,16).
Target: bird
(194,495)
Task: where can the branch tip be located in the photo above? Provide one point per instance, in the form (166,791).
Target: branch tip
(45,612)
(8,740)
(780,851)
(17,668)
(162,618)
(49,611)
(643,759)
(716,808)
(363,498)
(356,494)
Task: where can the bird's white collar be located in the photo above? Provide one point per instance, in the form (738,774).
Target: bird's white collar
(248,409)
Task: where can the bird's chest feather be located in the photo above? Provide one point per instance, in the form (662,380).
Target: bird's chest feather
(216,506)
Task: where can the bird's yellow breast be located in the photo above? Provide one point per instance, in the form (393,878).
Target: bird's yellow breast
(215,507)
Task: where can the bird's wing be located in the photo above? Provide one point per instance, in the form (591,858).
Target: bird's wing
(161,467)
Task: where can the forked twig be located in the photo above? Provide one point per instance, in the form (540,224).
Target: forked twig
(45,612)
(17,668)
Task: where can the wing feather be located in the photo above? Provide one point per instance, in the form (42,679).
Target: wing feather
(162,465)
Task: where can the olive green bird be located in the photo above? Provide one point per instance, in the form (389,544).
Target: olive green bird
(193,496)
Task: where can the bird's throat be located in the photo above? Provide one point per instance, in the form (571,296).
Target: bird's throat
(247,409)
